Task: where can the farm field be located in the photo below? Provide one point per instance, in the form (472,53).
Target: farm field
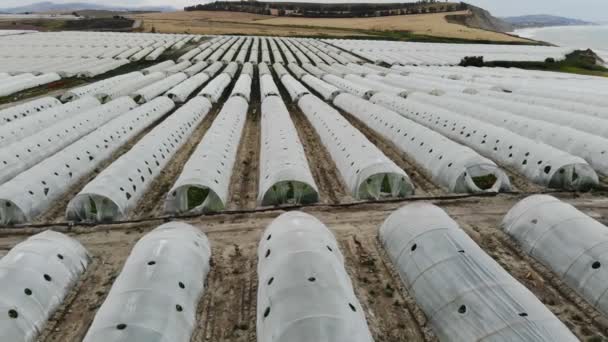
(217,22)
(213,185)
(208,22)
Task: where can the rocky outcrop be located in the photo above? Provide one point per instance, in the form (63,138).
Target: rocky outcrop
(480,18)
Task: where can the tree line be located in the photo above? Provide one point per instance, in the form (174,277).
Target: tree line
(333,10)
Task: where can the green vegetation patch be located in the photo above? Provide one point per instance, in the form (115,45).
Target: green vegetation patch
(485,182)
(582,62)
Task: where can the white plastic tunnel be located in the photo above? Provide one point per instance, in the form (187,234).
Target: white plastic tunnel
(118,188)
(33,191)
(465,294)
(28,152)
(454,166)
(35,277)
(19,129)
(570,243)
(304,292)
(155,297)
(157,88)
(326,90)
(541,163)
(368,173)
(205,179)
(284,173)
(26,109)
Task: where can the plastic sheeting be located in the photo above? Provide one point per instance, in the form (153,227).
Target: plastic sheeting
(190,54)
(26,109)
(541,163)
(247,69)
(590,147)
(304,292)
(205,179)
(572,244)
(560,104)
(284,173)
(326,90)
(17,130)
(313,70)
(295,89)
(181,92)
(231,69)
(8,88)
(35,277)
(263,69)
(455,167)
(367,172)
(156,53)
(376,85)
(117,189)
(158,67)
(26,153)
(213,90)
(130,86)
(157,88)
(141,54)
(156,295)
(98,69)
(351,87)
(268,87)
(242,87)
(213,69)
(581,122)
(32,192)
(464,293)
(297,70)
(100,87)
(280,70)
(195,68)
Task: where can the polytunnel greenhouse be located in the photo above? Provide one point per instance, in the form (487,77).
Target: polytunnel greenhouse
(189,187)
(304,289)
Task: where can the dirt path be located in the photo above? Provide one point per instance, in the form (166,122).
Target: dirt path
(245,173)
(329,181)
(227,310)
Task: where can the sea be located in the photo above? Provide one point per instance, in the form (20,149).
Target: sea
(594,37)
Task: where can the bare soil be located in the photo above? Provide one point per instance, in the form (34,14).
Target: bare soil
(227,311)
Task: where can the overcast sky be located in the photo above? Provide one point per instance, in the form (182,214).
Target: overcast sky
(583,9)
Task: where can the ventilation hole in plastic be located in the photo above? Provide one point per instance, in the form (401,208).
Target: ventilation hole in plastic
(462,309)
(352,307)
(179,308)
(27,291)
(267,312)
(596,265)
(330,249)
(269,236)
(270,280)
(414,246)
(267,253)
(523,314)
(121,326)
(60,256)
(181,285)
(47,277)
(151,263)
(547,169)
(312,279)
(534,221)
(12,313)
(461,251)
